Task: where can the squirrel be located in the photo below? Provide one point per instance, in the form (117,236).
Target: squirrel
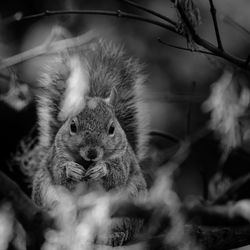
(93,126)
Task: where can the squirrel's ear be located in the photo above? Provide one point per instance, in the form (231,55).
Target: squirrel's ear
(112,97)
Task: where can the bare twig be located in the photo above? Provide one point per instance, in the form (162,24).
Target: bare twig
(58,46)
(217,33)
(236,25)
(47,48)
(165,18)
(186,49)
(205,44)
(197,39)
(117,13)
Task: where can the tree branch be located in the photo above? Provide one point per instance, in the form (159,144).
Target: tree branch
(227,19)
(117,13)
(197,39)
(217,33)
(47,48)
(136,5)
(205,44)
(186,49)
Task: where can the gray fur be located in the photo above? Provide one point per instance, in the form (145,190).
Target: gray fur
(113,167)
(108,67)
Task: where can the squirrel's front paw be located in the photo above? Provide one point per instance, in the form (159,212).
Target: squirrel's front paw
(74,171)
(96,172)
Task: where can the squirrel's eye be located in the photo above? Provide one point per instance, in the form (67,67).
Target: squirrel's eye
(111,129)
(73,128)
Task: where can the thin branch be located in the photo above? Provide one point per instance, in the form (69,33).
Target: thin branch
(235,25)
(237,61)
(205,44)
(47,48)
(196,38)
(217,33)
(136,5)
(186,49)
(117,13)
(58,46)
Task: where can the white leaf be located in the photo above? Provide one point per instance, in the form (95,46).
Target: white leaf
(227,105)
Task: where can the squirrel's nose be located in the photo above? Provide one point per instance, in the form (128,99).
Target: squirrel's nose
(92,154)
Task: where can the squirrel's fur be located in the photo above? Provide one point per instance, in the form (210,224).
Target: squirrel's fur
(106,66)
(92,126)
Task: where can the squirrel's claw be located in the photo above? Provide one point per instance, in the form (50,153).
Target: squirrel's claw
(96,172)
(74,171)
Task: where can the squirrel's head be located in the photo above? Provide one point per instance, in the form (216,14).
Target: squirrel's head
(95,133)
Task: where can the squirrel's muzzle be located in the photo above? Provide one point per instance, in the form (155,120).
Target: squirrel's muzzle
(91,153)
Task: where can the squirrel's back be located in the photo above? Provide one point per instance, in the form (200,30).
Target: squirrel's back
(105,66)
